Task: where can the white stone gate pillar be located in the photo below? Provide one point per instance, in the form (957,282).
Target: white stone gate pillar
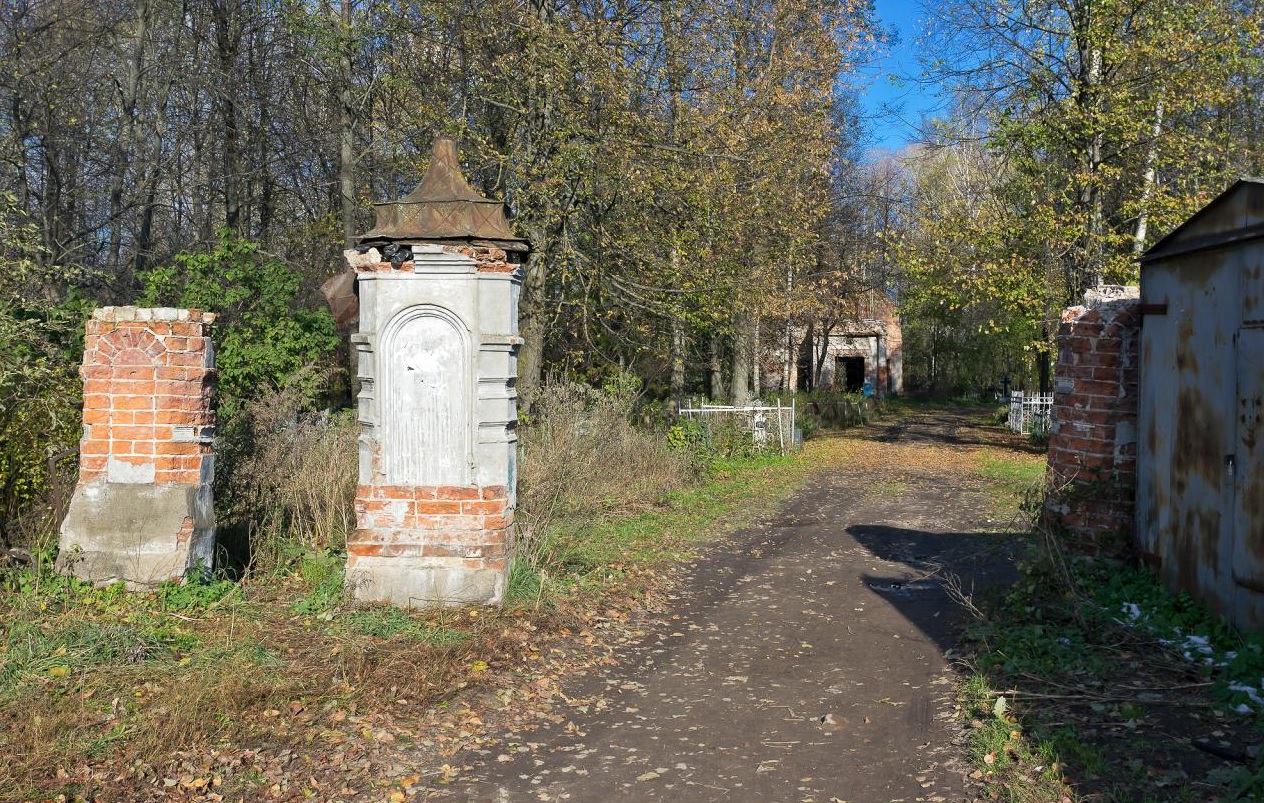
(437,404)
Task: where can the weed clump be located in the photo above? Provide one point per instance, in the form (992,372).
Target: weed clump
(1088,649)
(832,409)
(287,477)
(582,457)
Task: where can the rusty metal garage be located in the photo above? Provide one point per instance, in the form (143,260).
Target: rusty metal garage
(1200,484)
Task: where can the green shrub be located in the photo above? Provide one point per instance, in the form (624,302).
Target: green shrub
(265,336)
(41,345)
(193,595)
(725,437)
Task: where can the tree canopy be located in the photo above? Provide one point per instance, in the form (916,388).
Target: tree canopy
(665,157)
(1079,130)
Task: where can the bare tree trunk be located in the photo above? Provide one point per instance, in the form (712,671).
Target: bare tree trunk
(934,361)
(742,325)
(787,362)
(19,134)
(145,232)
(757,378)
(533,312)
(533,317)
(1044,366)
(677,364)
(805,358)
(716,368)
(1089,272)
(346,130)
(227,47)
(1148,177)
(818,374)
(129,96)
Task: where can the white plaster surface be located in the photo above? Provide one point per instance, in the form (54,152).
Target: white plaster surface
(437,406)
(128,532)
(426,415)
(128,472)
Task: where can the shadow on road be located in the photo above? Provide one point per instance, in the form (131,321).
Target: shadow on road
(937,573)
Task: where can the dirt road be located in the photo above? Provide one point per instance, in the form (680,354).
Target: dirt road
(802,660)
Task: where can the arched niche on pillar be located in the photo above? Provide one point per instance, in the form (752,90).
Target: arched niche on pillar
(429,440)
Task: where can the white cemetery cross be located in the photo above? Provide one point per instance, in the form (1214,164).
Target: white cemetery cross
(438,280)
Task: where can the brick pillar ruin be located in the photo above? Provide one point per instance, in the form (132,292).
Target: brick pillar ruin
(1093,440)
(437,366)
(142,511)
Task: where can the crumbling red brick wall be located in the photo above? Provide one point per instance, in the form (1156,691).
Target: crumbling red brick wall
(1093,439)
(147,392)
(142,510)
(471,524)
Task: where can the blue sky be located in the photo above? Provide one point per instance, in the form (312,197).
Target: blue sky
(893,100)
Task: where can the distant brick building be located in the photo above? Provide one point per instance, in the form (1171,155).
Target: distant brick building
(861,350)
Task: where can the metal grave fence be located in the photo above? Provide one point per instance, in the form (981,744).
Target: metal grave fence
(769,426)
(1030,413)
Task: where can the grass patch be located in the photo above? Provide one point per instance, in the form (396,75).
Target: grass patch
(581,457)
(1112,679)
(739,490)
(94,675)
(1016,480)
(1012,470)
(1014,766)
(35,651)
(389,623)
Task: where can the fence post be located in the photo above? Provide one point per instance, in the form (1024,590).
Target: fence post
(781,428)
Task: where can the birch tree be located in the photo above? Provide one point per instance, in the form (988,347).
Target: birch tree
(1108,108)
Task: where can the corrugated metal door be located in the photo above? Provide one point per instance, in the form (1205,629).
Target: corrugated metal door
(1248,478)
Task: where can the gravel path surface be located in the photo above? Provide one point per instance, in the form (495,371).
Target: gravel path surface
(802,660)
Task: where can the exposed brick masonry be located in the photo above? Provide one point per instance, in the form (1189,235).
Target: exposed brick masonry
(1093,441)
(434,521)
(147,394)
(142,511)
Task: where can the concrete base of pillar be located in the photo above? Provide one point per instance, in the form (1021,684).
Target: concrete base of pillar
(422,582)
(141,535)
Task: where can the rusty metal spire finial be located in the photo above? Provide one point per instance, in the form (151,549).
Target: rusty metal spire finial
(444,209)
